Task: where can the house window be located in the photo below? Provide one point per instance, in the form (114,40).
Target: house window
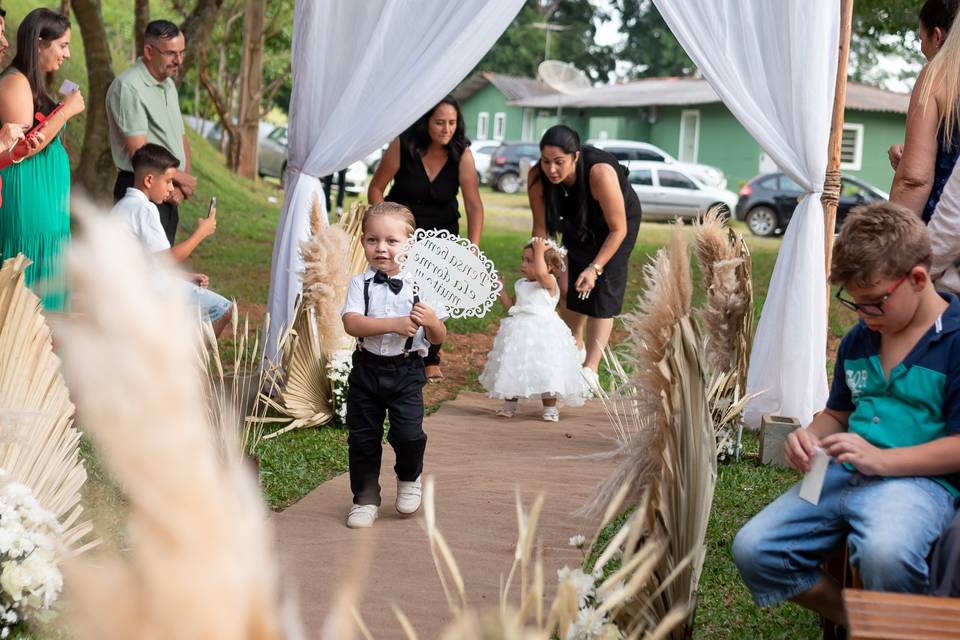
(483,119)
(851,147)
(499,126)
(689,135)
(527,126)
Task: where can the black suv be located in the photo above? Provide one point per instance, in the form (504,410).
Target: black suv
(767,202)
(504,171)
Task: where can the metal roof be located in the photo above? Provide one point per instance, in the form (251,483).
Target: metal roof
(683,91)
(513,87)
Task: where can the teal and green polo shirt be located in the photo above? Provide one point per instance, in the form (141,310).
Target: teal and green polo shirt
(920,401)
(137,105)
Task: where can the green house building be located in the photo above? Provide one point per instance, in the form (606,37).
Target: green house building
(683,116)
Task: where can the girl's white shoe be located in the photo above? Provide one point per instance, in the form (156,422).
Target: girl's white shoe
(592,380)
(508,410)
(551,414)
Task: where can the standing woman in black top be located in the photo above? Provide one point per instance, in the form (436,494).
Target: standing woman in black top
(582,193)
(429,163)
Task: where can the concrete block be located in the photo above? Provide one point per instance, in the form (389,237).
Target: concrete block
(773,432)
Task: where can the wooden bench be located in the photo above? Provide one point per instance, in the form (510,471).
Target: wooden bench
(873,615)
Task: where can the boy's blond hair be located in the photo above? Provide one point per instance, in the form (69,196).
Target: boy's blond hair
(389,209)
(879,240)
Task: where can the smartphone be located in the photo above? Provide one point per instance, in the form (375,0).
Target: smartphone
(213,205)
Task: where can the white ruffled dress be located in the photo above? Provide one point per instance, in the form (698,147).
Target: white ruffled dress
(534,351)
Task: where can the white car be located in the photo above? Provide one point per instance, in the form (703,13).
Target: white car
(630,150)
(482,151)
(667,192)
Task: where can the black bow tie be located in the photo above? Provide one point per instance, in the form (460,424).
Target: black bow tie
(395,284)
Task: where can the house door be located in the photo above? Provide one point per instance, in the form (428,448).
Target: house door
(689,136)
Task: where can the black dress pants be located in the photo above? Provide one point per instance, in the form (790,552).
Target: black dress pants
(169,213)
(380,386)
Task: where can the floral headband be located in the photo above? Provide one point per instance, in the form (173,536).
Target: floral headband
(550,243)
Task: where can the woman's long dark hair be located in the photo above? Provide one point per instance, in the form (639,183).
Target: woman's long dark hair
(938,13)
(39,24)
(416,138)
(562,136)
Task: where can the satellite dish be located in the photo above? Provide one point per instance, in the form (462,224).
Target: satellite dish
(563,76)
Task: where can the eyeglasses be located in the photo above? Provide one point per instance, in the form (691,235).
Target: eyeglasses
(872,308)
(170,55)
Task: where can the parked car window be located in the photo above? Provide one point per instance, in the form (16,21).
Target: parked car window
(852,190)
(529,151)
(620,153)
(788,185)
(772,183)
(646,154)
(676,180)
(642,177)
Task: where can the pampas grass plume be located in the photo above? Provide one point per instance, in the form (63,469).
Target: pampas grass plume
(200,564)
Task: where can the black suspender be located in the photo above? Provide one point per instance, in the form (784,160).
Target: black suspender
(408,345)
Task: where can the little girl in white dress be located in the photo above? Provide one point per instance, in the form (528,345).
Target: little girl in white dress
(534,353)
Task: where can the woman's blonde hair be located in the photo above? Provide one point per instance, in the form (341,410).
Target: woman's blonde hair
(393,209)
(943,74)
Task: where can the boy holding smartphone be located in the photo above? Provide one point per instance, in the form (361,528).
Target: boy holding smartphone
(154,169)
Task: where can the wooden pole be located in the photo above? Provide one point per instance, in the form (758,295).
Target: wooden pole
(832,184)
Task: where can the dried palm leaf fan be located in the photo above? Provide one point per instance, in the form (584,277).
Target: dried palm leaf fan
(198,532)
(39,442)
(233,390)
(330,258)
(668,463)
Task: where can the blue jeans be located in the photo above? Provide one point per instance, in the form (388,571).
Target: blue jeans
(890,525)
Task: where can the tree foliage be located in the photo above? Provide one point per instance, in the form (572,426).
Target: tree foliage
(522,46)
(650,48)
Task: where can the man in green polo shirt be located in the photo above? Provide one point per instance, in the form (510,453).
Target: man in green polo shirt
(143,106)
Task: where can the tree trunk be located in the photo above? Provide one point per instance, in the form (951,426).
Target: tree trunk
(96,168)
(141,18)
(197,27)
(251,87)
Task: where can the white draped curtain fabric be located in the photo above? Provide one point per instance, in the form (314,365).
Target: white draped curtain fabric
(774,64)
(364,70)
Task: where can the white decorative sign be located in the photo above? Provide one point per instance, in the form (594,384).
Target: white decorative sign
(451,271)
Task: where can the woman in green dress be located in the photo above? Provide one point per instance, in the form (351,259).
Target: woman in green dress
(35,207)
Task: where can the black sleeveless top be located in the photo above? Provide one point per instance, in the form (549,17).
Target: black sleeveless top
(434,204)
(596,223)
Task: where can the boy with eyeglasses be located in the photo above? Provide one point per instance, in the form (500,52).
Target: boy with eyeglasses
(891,428)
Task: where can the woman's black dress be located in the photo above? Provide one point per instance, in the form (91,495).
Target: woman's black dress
(606,298)
(433,204)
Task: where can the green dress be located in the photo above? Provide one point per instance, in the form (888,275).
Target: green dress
(35,220)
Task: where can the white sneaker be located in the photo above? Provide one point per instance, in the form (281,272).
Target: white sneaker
(509,409)
(362,516)
(408,496)
(551,414)
(583,354)
(592,380)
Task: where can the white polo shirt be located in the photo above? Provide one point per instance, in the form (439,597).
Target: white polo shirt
(386,304)
(142,219)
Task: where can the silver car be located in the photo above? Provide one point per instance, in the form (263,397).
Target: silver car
(666,192)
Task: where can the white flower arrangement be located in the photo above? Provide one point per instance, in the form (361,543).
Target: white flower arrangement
(338,370)
(30,550)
